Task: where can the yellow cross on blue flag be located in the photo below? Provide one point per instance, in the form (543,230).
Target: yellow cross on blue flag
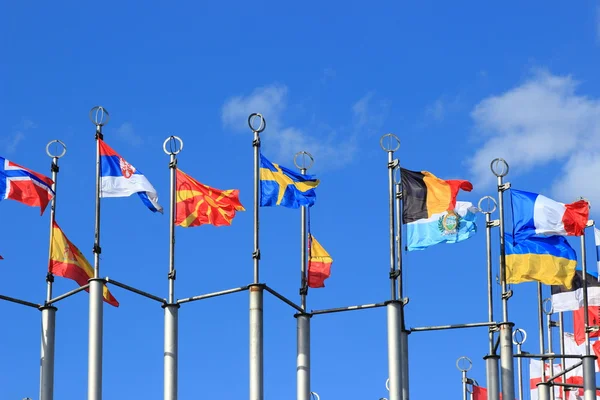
(280,186)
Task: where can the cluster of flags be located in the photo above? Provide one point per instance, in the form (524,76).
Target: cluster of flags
(196,204)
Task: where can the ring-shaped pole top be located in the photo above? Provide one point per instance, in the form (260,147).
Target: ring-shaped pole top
(466,363)
(315,396)
(302,163)
(547,306)
(389,142)
(172,142)
(499,167)
(487,204)
(387,384)
(262,122)
(99,116)
(51,154)
(519,336)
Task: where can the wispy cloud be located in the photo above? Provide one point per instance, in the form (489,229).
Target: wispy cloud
(442,107)
(127,133)
(331,147)
(544,120)
(11,142)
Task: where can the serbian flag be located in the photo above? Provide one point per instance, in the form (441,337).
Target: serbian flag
(564,299)
(424,194)
(67,261)
(121,179)
(534,214)
(198,204)
(319,263)
(24,185)
(578,323)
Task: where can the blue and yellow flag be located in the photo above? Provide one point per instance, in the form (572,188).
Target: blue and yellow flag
(280,186)
(549,260)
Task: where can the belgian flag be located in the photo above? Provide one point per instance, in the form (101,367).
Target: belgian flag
(424,194)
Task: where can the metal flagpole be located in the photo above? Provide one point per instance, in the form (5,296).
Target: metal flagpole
(500,168)
(403,331)
(396,356)
(303,319)
(541,328)
(256,289)
(549,324)
(491,359)
(99,116)
(519,337)
(171,350)
(49,311)
(561,330)
(464,364)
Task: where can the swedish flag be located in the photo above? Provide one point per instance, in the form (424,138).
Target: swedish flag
(280,186)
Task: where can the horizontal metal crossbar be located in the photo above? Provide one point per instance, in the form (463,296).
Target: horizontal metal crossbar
(284,299)
(19,301)
(214,294)
(134,290)
(349,308)
(546,356)
(456,326)
(68,294)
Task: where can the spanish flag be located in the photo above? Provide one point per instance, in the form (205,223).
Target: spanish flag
(67,261)
(198,204)
(424,194)
(319,264)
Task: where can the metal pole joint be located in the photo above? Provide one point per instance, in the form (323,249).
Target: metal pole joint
(303,314)
(46,307)
(504,187)
(172,275)
(592,328)
(49,277)
(256,254)
(394,163)
(97,249)
(168,305)
(493,224)
(507,295)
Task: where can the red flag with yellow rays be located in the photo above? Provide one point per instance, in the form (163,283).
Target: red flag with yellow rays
(67,261)
(198,204)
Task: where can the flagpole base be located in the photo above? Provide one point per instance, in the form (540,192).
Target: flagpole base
(492,378)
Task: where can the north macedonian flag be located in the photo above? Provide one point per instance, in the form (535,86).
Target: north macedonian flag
(424,194)
(67,261)
(319,264)
(198,204)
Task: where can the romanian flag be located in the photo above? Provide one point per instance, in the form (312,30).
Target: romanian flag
(319,264)
(198,204)
(549,260)
(67,261)
(424,194)
(280,186)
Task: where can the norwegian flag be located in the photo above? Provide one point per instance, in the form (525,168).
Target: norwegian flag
(24,185)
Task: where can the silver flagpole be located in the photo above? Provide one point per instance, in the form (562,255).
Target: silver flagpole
(49,311)
(394,306)
(549,324)
(464,364)
(404,333)
(491,359)
(99,116)
(541,328)
(500,168)
(256,289)
(561,327)
(589,369)
(303,319)
(171,351)
(519,337)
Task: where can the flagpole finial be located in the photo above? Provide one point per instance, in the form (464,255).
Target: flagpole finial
(173,146)
(389,142)
(499,167)
(252,121)
(464,364)
(487,205)
(99,116)
(55,153)
(519,336)
(301,162)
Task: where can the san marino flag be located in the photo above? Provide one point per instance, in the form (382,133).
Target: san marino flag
(446,227)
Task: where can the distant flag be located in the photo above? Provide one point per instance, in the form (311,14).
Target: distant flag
(596,349)
(280,186)
(571,299)
(534,214)
(198,204)
(319,263)
(549,260)
(24,185)
(535,377)
(1,258)
(424,194)
(578,323)
(575,376)
(597,240)
(67,261)
(446,227)
(121,179)
(480,393)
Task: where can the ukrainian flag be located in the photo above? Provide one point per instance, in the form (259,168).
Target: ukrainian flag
(280,186)
(549,260)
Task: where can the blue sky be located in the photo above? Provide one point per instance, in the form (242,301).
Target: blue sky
(460,84)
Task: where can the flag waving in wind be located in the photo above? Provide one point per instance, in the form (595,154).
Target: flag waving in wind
(198,204)
(121,179)
(597,240)
(67,261)
(280,186)
(24,185)
(319,263)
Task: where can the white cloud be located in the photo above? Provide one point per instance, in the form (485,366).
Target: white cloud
(442,107)
(127,133)
(330,147)
(11,142)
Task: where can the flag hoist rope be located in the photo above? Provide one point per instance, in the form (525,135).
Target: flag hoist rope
(49,311)
(171,347)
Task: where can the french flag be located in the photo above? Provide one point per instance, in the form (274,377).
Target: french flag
(534,214)
(24,185)
(121,179)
